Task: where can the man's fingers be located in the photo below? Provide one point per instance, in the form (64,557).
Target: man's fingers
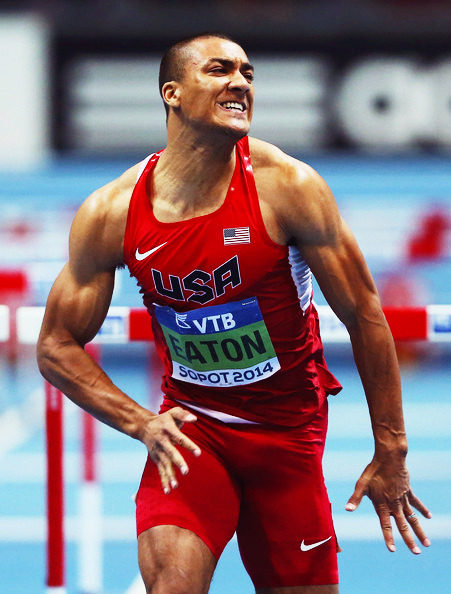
(191,446)
(419,505)
(167,456)
(356,497)
(384,519)
(181,416)
(164,442)
(388,488)
(166,459)
(183,441)
(177,459)
(414,522)
(165,471)
(404,530)
(406,521)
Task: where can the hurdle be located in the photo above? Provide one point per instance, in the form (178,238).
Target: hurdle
(124,325)
(14,289)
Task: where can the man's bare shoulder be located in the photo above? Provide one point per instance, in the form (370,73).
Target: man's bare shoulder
(299,198)
(278,168)
(99,224)
(112,200)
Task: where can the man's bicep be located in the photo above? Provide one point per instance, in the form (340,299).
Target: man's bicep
(81,295)
(342,275)
(75,311)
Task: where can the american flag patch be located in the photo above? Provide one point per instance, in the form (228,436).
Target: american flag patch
(236,235)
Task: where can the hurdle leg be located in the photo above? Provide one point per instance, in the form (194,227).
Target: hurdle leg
(55,491)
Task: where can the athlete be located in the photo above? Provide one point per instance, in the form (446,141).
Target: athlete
(223,233)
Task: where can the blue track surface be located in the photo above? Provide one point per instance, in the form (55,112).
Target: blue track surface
(363,561)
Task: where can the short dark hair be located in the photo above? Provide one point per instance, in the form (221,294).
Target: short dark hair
(173,62)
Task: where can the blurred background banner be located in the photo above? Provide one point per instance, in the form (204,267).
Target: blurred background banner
(360,90)
(24,97)
(362,75)
(372,75)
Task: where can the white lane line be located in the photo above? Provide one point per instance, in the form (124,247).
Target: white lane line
(354,526)
(347,421)
(364,527)
(352,421)
(123,467)
(33,528)
(114,467)
(425,465)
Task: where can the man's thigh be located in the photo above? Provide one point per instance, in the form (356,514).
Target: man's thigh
(173,559)
(285,531)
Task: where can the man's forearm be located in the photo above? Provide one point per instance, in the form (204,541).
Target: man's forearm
(69,368)
(376,360)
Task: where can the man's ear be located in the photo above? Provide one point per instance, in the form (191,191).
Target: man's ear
(171,93)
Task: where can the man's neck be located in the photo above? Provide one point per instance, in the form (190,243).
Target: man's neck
(195,170)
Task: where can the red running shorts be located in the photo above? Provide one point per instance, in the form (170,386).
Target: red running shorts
(264,483)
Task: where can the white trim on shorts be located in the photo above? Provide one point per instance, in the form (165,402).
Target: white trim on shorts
(216,414)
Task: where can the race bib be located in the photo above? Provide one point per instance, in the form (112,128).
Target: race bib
(222,345)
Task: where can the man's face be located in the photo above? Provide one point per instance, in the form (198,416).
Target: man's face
(216,89)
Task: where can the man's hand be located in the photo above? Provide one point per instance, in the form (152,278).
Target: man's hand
(161,436)
(387,485)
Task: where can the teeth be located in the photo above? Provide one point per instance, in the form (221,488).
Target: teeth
(233,105)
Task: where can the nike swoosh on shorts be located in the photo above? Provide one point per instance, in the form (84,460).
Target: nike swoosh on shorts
(145,255)
(305,547)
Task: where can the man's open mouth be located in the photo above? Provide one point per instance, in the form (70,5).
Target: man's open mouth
(233,105)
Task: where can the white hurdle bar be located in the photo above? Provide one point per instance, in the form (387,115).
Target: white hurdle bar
(4,323)
(127,324)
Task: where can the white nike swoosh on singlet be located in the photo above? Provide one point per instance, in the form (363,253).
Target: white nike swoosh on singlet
(305,547)
(145,255)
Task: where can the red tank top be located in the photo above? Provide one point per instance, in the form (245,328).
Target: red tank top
(231,310)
